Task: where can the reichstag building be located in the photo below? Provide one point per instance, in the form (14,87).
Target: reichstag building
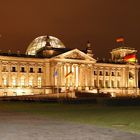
(48,67)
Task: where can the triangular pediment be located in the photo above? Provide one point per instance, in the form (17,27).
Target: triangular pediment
(75,54)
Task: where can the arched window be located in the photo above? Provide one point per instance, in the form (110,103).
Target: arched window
(101,83)
(14,81)
(5,81)
(107,83)
(39,82)
(31,81)
(118,83)
(22,81)
(112,83)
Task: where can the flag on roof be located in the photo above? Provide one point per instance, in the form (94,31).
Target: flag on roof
(120,39)
(68,74)
(130,57)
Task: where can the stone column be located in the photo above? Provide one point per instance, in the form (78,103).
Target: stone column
(83,76)
(0,73)
(18,75)
(27,75)
(136,77)
(97,77)
(76,76)
(88,76)
(62,75)
(9,75)
(86,71)
(127,77)
(103,82)
(71,77)
(115,78)
(123,75)
(91,74)
(79,77)
(66,72)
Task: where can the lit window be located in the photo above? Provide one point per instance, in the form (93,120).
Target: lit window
(39,82)
(5,94)
(14,81)
(131,76)
(31,82)
(5,81)
(22,81)
(14,94)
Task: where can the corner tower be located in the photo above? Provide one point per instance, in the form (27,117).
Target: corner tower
(123,53)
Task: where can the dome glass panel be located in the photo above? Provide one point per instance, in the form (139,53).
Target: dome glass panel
(41,42)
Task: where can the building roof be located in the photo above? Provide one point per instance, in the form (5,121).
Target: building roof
(49,52)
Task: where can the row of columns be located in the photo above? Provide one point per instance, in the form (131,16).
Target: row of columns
(82,76)
(72,75)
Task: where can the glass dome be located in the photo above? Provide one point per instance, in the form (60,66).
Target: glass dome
(41,42)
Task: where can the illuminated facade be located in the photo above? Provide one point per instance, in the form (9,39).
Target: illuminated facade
(49,67)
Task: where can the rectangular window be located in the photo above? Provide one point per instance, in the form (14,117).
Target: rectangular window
(39,70)
(22,69)
(119,74)
(113,74)
(4,93)
(100,73)
(107,73)
(95,72)
(4,69)
(31,70)
(14,94)
(13,69)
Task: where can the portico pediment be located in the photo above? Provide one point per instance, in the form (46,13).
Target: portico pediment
(75,54)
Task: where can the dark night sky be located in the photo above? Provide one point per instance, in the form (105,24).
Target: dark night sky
(74,22)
